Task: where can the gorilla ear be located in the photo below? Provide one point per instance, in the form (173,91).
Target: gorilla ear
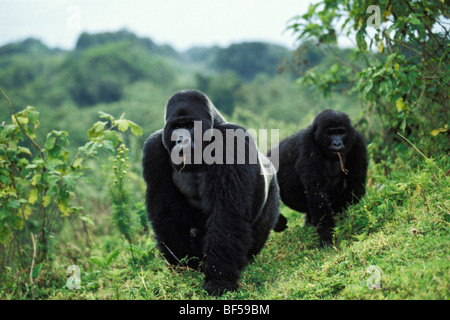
(217,118)
(314,127)
(316,131)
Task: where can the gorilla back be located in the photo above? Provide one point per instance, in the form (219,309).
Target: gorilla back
(217,215)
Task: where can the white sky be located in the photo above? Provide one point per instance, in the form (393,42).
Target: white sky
(180,23)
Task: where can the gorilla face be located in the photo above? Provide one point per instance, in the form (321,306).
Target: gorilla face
(189,114)
(334,134)
(336,137)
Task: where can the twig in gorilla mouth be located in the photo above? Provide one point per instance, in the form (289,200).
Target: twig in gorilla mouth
(184,163)
(342,164)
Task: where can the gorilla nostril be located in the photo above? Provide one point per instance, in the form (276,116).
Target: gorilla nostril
(184,141)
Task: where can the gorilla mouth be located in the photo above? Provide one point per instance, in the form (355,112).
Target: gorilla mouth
(342,163)
(336,149)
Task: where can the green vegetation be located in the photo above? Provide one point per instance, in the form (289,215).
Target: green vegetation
(81,202)
(408,70)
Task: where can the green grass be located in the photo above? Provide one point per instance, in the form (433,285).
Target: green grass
(401,226)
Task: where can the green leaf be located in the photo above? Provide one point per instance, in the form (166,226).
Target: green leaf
(123,124)
(64,208)
(135,129)
(9,129)
(59,133)
(77,163)
(33,196)
(403,125)
(46,201)
(36,178)
(368,87)
(98,261)
(105,115)
(113,136)
(25,150)
(90,148)
(361,41)
(112,256)
(37,270)
(415,21)
(87,219)
(399,104)
(435,132)
(54,162)
(97,129)
(55,152)
(5,233)
(13,204)
(70,179)
(109,146)
(32,114)
(50,143)
(22,120)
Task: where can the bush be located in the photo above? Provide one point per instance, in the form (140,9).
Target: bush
(38,184)
(407,82)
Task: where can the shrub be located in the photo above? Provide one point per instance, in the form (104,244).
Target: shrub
(38,183)
(404,78)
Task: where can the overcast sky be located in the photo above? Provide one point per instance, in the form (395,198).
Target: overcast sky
(180,23)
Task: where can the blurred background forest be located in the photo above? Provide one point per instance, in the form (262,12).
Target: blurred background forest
(397,82)
(120,72)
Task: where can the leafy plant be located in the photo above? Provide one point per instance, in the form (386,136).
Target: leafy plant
(38,183)
(127,215)
(36,186)
(405,73)
(102,262)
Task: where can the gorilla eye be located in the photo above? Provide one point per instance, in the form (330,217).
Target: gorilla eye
(187,125)
(335,131)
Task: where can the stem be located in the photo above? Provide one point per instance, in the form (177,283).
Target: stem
(420,152)
(32,266)
(20,125)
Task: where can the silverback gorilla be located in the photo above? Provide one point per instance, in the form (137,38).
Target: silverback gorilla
(213,216)
(322,169)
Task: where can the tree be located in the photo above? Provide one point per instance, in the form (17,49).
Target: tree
(404,47)
(223,89)
(99,73)
(250,58)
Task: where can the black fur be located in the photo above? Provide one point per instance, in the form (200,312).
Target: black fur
(219,215)
(310,176)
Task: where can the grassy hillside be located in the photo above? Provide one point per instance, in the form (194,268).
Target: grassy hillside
(401,227)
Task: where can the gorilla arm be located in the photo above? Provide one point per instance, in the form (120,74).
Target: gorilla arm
(319,213)
(168,209)
(228,238)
